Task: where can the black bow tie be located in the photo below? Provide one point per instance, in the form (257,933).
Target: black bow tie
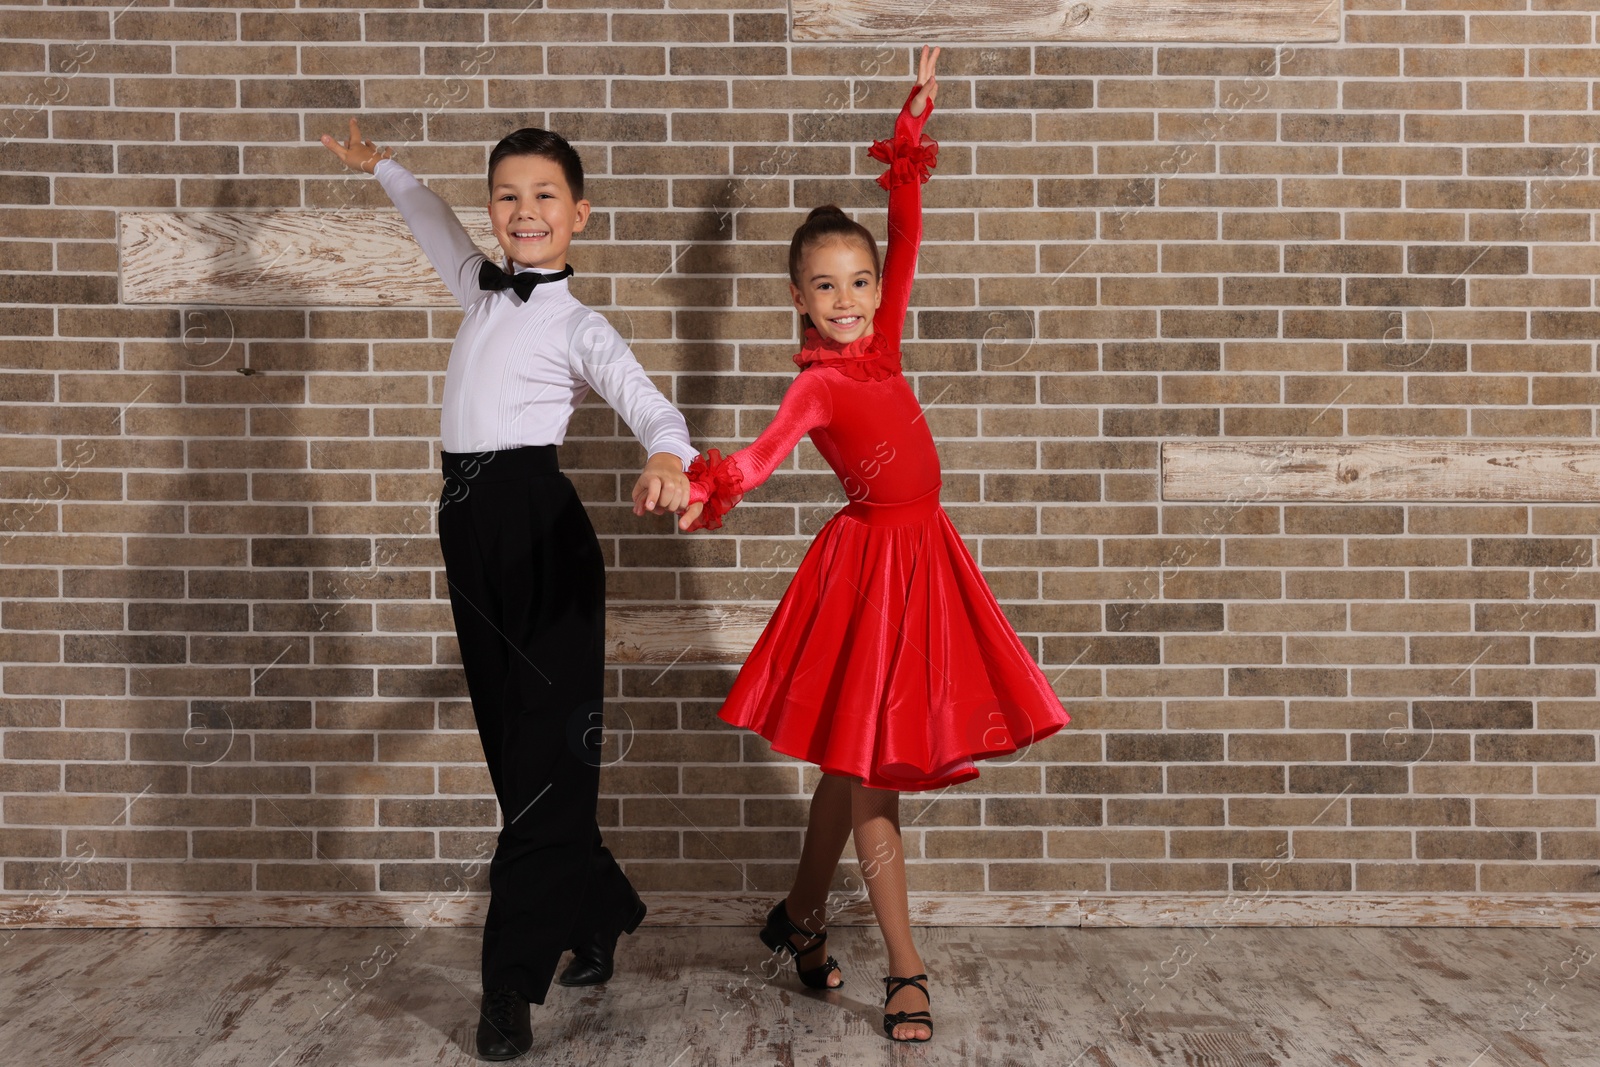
(492,277)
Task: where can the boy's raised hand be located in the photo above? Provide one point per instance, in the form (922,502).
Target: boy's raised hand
(356,153)
(926,79)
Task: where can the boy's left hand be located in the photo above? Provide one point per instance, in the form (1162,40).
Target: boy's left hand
(357,153)
(662,486)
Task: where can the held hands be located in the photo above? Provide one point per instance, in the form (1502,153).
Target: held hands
(662,486)
(356,153)
(925,79)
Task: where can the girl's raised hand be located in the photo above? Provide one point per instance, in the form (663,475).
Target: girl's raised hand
(356,153)
(925,79)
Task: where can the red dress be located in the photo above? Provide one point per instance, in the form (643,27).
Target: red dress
(887,659)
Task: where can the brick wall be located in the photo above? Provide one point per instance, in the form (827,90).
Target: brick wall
(225,650)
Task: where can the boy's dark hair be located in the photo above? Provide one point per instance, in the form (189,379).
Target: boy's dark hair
(532,141)
(827,223)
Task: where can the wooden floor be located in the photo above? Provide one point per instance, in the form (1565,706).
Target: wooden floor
(685,997)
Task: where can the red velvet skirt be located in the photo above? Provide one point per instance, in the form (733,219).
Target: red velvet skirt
(888,659)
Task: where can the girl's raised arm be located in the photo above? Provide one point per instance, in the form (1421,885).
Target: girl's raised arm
(910,156)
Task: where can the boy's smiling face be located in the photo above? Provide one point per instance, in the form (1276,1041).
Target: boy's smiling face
(533,212)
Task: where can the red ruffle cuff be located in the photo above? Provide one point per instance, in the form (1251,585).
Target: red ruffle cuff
(716,481)
(908,160)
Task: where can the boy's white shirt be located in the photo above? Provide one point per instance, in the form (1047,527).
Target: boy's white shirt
(518,371)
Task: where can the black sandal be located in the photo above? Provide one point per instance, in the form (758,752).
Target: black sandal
(893,985)
(775,937)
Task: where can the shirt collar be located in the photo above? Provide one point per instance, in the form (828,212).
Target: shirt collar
(505,265)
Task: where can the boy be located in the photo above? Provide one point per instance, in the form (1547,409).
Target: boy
(527,581)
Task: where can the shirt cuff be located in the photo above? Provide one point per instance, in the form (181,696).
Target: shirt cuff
(684,456)
(391,173)
(673,441)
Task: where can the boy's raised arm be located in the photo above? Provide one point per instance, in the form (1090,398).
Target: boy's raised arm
(432,221)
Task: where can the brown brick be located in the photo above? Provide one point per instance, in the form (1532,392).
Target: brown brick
(1473,714)
(1533,682)
(1265,681)
(1353,844)
(1093,649)
(1047,812)
(1508,812)
(1142,615)
(1168,877)
(1352,778)
(1479,194)
(1379,877)
(1225,844)
(1098,780)
(1162,748)
(1549,748)
(1419,811)
(1530,160)
(1229,584)
(1529,552)
(1047,877)
(1476,845)
(1392,29)
(1540,878)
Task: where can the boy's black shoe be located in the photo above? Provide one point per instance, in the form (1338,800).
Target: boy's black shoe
(592,960)
(505,1030)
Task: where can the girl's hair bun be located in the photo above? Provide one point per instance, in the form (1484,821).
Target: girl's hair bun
(826,209)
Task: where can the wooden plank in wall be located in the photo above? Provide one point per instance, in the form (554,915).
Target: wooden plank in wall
(283,258)
(1391,469)
(1228,21)
(683,633)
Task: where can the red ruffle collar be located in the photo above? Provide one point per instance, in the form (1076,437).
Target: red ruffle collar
(871,358)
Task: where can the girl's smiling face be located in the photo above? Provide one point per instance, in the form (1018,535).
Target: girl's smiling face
(838,289)
(533,212)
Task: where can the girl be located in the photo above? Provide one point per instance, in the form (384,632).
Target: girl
(887,663)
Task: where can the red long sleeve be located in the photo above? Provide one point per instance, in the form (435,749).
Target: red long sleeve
(720,482)
(909,155)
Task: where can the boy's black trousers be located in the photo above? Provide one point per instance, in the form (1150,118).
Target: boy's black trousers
(527,588)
